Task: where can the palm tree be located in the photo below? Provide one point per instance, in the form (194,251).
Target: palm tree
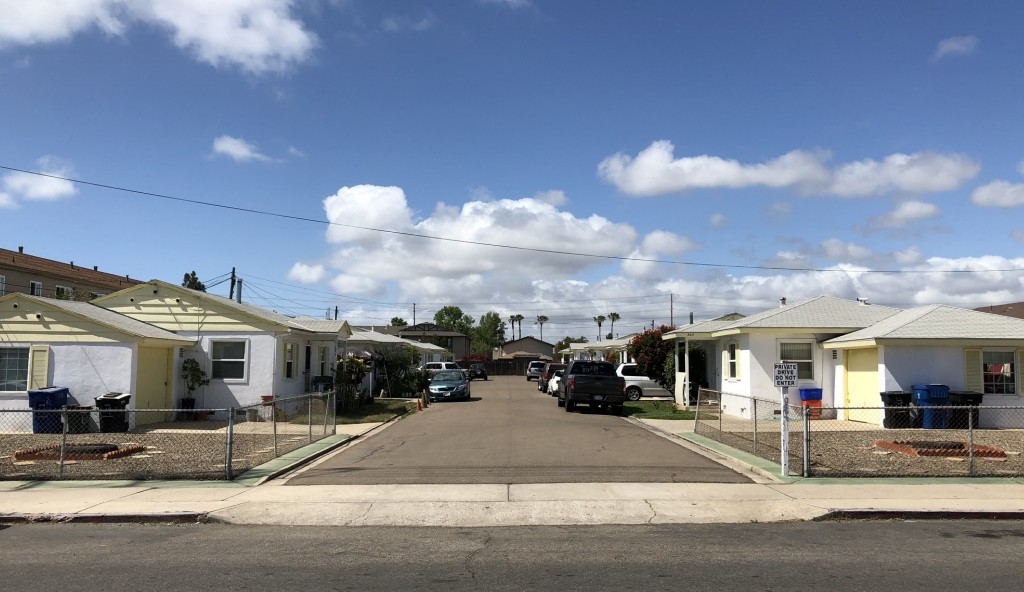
(613,316)
(541,319)
(599,319)
(517,318)
(512,321)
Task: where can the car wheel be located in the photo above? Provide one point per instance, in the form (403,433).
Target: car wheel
(618,409)
(633,393)
(570,405)
(561,403)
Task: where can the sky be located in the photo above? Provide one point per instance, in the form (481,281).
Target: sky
(565,158)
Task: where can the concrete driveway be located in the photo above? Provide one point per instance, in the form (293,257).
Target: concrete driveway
(510,433)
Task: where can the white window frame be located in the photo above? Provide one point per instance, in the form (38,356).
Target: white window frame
(1016,371)
(28,367)
(812,360)
(35,288)
(3,285)
(244,360)
(324,353)
(732,361)
(62,292)
(288,357)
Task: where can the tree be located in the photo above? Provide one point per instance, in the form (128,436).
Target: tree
(650,352)
(564,343)
(489,334)
(192,282)
(517,318)
(599,319)
(541,319)
(612,316)
(453,319)
(399,322)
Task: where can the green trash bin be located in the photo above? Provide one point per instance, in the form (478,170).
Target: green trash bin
(79,419)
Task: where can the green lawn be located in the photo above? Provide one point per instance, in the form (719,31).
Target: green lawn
(379,410)
(656,410)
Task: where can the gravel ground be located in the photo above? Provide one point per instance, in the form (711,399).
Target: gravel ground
(186,454)
(853,453)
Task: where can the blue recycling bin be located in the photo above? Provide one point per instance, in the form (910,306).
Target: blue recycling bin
(810,394)
(48,400)
(929,396)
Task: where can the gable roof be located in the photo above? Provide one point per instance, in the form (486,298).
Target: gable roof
(936,321)
(699,330)
(322,325)
(530,337)
(102,316)
(821,312)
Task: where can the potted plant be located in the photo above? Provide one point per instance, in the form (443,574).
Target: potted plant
(194,377)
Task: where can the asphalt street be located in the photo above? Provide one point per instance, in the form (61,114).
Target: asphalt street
(510,433)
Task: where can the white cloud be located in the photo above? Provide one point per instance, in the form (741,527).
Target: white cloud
(237,149)
(656,171)
(552,197)
(1020,167)
(399,23)
(834,248)
(906,213)
(907,256)
(718,220)
(363,286)
(951,46)
(509,3)
(29,187)
(306,274)
(292,150)
(257,36)
(999,194)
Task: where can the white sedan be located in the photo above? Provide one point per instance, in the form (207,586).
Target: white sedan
(553,383)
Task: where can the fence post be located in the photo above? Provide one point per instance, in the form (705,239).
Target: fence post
(231,434)
(334,412)
(807,441)
(970,440)
(326,398)
(63,441)
(273,422)
(754,411)
(309,416)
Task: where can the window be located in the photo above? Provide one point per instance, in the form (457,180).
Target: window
(229,359)
(63,292)
(325,352)
(3,285)
(629,370)
(289,360)
(999,375)
(13,368)
(732,361)
(35,288)
(800,352)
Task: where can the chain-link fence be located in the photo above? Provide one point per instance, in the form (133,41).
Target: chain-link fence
(140,444)
(888,441)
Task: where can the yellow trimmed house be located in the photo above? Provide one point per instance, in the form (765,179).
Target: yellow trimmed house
(247,351)
(89,349)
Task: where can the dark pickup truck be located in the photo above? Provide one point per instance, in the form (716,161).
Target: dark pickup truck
(593,383)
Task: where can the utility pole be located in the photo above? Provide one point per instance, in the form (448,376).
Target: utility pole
(413,314)
(238,295)
(652,324)
(335,313)
(231,294)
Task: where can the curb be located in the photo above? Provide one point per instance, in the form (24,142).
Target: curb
(836,515)
(172,518)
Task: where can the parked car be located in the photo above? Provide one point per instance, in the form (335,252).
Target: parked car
(534,370)
(553,382)
(477,370)
(449,384)
(432,368)
(592,383)
(638,385)
(546,374)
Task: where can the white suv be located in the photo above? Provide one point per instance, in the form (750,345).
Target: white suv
(433,367)
(535,370)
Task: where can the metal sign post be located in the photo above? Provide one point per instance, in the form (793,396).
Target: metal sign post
(785,377)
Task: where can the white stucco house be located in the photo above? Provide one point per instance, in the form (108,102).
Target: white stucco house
(853,351)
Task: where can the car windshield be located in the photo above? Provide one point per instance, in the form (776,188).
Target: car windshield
(448,375)
(477,366)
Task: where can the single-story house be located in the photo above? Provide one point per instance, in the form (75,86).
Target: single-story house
(527,347)
(853,351)
(88,349)
(247,351)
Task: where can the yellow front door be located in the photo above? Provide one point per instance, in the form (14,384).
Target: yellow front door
(153,384)
(862,385)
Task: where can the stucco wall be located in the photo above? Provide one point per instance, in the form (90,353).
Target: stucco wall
(88,370)
(903,367)
(220,393)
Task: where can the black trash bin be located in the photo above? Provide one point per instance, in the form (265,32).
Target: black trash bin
(965,414)
(113,417)
(898,413)
(78,419)
(47,402)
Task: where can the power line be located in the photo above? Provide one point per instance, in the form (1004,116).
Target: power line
(494,245)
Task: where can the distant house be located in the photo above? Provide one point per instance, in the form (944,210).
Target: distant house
(28,274)
(88,349)
(1015,309)
(456,343)
(853,351)
(527,347)
(247,351)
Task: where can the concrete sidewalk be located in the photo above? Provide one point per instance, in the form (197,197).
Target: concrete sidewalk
(255,500)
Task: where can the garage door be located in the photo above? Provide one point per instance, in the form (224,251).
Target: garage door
(862,385)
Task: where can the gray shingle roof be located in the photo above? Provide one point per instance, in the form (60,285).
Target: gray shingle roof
(940,321)
(824,312)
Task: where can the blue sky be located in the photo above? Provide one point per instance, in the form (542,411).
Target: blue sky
(786,148)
